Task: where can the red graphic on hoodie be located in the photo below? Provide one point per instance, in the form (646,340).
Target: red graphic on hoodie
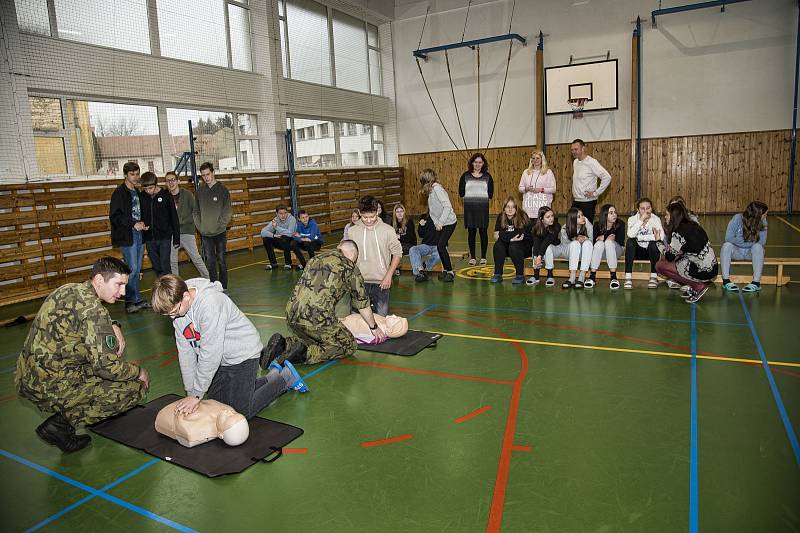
(191,334)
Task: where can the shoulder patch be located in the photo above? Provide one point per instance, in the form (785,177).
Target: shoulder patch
(111,341)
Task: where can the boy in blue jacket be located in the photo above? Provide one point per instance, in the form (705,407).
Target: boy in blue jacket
(307,237)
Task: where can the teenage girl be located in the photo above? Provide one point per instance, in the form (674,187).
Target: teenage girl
(609,236)
(443,217)
(512,233)
(576,247)
(745,240)
(546,232)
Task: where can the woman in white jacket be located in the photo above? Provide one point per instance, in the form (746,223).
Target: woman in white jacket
(644,231)
(537,185)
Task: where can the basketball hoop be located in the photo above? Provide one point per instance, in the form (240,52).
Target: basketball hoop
(577,106)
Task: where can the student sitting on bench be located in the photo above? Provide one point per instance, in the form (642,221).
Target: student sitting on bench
(306,238)
(218,348)
(745,239)
(426,249)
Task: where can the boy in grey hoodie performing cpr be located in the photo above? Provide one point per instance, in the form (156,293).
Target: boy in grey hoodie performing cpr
(219,348)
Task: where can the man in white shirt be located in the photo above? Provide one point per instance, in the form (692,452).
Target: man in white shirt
(585,173)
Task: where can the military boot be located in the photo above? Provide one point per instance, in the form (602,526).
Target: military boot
(276,345)
(295,354)
(57,431)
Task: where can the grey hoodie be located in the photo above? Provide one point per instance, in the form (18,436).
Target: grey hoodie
(212,333)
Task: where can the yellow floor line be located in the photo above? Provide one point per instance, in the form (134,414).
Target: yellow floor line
(788,223)
(587,346)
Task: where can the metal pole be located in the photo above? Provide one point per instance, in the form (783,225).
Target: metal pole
(638,107)
(291,170)
(793,158)
(192,159)
(541,96)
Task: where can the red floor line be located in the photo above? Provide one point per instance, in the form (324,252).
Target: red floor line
(425,372)
(295,450)
(501,480)
(472,415)
(381,442)
(170,360)
(7,398)
(517,448)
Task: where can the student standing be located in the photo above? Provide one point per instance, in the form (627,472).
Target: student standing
(443,217)
(476,187)
(214,215)
(163,233)
(185,206)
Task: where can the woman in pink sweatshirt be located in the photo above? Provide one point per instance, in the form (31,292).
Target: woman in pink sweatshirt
(537,185)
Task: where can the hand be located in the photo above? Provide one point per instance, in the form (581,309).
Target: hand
(120,338)
(438,227)
(517,238)
(538,189)
(176,246)
(531,188)
(581,238)
(386,282)
(379,334)
(305,239)
(657,234)
(144,377)
(422,222)
(187,406)
(496,235)
(645,219)
(601,238)
(588,194)
(139,226)
(612,237)
(537,261)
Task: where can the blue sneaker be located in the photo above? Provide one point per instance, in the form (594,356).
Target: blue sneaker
(497,278)
(299,385)
(517,280)
(276,366)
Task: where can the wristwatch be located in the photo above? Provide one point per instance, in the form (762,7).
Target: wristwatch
(373,328)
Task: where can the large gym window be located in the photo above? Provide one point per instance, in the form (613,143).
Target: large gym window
(324,143)
(325,46)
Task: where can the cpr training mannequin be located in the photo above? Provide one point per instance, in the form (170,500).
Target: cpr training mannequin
(212,420)
(394,326)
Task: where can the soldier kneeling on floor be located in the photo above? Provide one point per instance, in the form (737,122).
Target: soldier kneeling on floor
(311,311)
(71,363)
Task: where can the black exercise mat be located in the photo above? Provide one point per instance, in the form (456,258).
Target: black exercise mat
(135,428)
(409,344)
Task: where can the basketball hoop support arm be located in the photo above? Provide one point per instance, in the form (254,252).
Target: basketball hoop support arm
(692,7)
(422,53)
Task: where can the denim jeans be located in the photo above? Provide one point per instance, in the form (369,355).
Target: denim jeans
(416,253)
(240,387)
(213,253)
(132,255)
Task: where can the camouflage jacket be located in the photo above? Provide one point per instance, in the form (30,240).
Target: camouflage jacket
(71,339)
(325,280)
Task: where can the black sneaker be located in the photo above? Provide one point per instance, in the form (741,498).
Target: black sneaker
(144,304)
(57,431)
(131,308)
(270,267)
(276,345)
(448,277)
(420,277)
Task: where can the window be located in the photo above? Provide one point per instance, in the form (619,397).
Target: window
(48,135)
(239,24)
(213,132)
(338,143)
(121,24)
(193,30)
(32,16)
(249,155)
(151,166)
(113,166)
(306,29)
(103,133)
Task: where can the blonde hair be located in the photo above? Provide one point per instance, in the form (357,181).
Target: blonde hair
(167,293)
(402,223)
(428,179)
(544,169)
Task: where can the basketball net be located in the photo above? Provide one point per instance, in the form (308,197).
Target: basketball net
(577,106)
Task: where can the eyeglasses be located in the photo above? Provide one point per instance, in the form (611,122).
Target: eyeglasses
(175,312)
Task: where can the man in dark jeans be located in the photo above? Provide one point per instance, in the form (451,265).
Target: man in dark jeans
(127,232)
(159,213)
(211,219)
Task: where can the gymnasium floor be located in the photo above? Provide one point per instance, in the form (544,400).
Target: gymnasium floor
(541,410)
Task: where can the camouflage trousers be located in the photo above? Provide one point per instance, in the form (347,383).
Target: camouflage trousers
(324,342)
(91,400)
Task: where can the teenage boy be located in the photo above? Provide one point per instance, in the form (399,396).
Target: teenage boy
(279,233)
(307,237)
(185,206)
(212,219)
(161,217)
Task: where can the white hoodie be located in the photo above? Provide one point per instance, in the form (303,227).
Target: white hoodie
(212,333)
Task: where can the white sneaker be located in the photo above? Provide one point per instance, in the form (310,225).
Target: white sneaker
(628,284)
(652,283)
(673,284)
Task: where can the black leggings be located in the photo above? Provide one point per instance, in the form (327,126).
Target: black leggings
(634,251)
(471,241)
(517,251)
(441,246)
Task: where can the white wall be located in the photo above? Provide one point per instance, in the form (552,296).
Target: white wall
(703,71)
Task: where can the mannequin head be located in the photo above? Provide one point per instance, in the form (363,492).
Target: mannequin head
(395,326)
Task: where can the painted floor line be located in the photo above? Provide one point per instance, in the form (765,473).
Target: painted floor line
(787,423)
(381,442)
(788,223)
(518,448)
(95,492)
(693,504)
(473,414)
(590,346)
(92,496)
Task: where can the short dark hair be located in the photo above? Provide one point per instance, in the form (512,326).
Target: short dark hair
(130,166)
(149,178)
(368,204)
(578,141)
(207,165)
(472,159)
(281,207)
(171,173)
(109,266)
(302,212)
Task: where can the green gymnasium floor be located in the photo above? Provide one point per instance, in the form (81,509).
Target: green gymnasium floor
(541,410)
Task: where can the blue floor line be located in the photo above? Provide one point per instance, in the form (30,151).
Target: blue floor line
(588,315)
(417,315)
(787,423)
(92,496)
(95,492)
(693,471)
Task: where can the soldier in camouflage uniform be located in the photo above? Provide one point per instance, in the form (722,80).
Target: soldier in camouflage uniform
(310,312)
(72,365)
